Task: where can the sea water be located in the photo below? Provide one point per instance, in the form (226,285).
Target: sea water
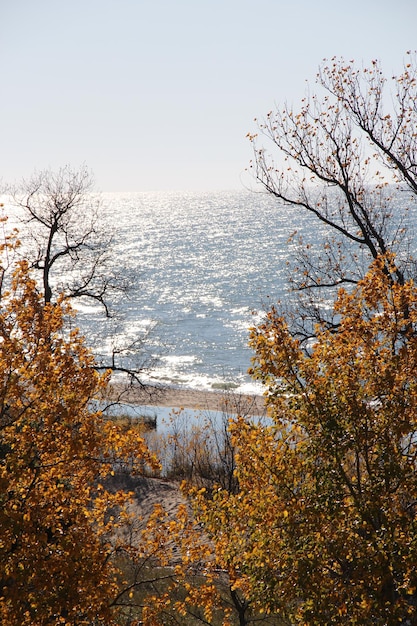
(202,268)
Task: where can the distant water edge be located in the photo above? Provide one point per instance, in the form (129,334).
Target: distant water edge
(202,269)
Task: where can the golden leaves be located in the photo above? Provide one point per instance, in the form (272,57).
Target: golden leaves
(58,519)
(323,525)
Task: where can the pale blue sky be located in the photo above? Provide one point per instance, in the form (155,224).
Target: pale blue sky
(159,94)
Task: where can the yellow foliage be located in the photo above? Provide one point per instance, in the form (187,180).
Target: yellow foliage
(322,529)
(56,533)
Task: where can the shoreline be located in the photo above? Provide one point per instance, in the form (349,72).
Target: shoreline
(177,398)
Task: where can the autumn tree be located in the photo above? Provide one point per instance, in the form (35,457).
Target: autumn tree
(323,528)
(202,588)
(59,522)
(342,158)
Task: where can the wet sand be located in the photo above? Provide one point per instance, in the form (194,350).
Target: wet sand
(176,398)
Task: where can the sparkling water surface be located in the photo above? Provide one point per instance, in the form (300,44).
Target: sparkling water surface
(201,268)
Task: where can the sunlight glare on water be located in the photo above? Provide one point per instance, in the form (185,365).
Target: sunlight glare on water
(199,266)
(201,269)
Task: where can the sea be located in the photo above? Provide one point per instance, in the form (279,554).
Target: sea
(201,269)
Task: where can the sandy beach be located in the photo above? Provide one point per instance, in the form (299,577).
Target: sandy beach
(176,398)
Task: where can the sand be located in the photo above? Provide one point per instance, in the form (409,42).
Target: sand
(175,398)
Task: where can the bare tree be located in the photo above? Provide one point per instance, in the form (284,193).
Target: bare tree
(342,159)
(67,243)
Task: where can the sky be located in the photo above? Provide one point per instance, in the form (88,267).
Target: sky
(160,94)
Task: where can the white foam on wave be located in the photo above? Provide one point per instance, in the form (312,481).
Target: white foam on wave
(188,379)
(252,388)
